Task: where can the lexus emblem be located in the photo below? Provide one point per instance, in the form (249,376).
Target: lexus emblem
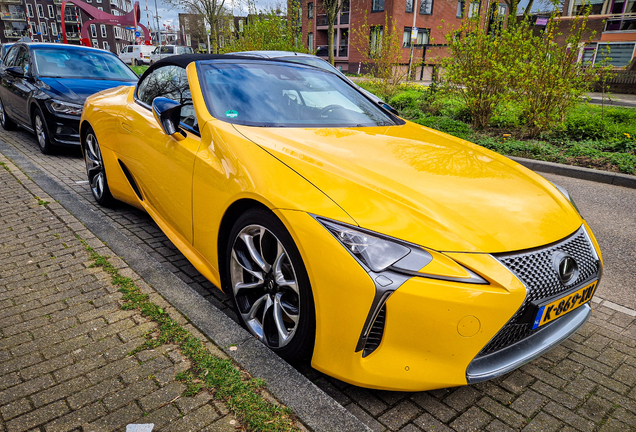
(566,268)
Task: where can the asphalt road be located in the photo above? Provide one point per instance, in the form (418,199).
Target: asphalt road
(611,213)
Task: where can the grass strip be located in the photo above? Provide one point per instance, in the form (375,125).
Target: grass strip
(220,376)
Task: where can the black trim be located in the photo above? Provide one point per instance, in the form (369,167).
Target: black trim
(130,179)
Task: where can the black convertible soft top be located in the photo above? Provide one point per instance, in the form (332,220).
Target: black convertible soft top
(184,60)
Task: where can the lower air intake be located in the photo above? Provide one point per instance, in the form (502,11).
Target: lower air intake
(375,334)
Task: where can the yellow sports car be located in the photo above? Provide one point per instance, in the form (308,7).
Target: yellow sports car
(393,256)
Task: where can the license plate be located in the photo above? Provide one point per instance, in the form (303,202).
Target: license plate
(558,308)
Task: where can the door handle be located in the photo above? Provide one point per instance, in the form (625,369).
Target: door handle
(126,127)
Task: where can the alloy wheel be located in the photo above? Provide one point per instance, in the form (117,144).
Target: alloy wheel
(264,285)
(40,131)
(94,166)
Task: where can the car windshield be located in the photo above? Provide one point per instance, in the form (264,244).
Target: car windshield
(80,63)
(277,95)
(316,62)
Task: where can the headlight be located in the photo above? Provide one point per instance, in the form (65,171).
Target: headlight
(377,253)
(59,107)
(567,195)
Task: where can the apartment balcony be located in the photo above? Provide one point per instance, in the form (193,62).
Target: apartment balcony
(344,18)
(321,20)
(15,34)
(59,2)
(72,35)
(70,19)
(12,16)
(620,23)
(11,1)
(343,51)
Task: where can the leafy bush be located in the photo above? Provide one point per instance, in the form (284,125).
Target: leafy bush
(447,125)
(409,99)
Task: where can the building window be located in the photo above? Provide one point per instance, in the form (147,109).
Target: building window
(310,10)
(420,40)
(95,43)
(310,41)
(29,10)
(378,6)
(40,11)
(473,10)
(461,5)
(34,28)
(426,7)
(375,41)
(54,29)
(101,8)
(618,54)
(51,11)
(106,46)
(43,29)
(409,6)
(93,30)
(496,18)
(103,30)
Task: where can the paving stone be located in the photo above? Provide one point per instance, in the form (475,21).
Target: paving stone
(128,394)
(410,428)
(161,416)
(59,391)
(595,408)
(462,398)
(543,422)
(436,408)
(529,403)
(580,387)
(44,367)
(77,418)
(365,418)
(332,391)
(195,420)
(399,415)
(501,412)
(37,417)
(15,408)
(517,381)
(613,425)
(111,369)
(93,393)
(366,400)
(563,398)
(164,395)
(569,417)
(187,404)
(471,420)
(26,388)
(429,423)
(498,426)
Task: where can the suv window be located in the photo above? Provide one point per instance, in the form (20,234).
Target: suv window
(21,59)
(170,82)
(11,55)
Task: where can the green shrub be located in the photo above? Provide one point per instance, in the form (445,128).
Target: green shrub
(409,99)
(447,125)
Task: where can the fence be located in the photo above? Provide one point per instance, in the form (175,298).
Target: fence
(621,82)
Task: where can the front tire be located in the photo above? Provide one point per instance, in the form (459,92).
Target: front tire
(95,170)
(269,285)
(41,132)
(5,121)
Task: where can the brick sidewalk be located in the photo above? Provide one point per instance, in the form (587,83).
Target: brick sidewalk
(586,384)
(64,341)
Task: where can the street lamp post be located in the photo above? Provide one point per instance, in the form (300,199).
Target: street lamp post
(158,29)
(415,12)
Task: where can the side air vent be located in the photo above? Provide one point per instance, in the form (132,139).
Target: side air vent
(376,332)
(130,179)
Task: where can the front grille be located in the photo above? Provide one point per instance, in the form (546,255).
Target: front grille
(535,269)
(375,334)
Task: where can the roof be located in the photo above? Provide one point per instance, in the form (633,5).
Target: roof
(184,60)
(272,54)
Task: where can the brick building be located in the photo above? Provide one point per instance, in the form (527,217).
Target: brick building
(41,20)
(431,30)
(614,24)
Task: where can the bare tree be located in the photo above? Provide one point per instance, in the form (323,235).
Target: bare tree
(211,10)
(331,7)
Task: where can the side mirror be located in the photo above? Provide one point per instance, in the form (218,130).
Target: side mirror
(168,114)
(15,70)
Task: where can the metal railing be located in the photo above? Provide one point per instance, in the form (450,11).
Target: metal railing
(15,34)
(72,35)
(12,16)
(343,51)
(68,19)
(11,1)
(620,22)
(57,2)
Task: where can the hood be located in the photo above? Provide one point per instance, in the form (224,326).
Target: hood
(76,90)
(425,187)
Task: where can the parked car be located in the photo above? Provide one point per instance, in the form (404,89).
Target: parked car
(316,61)
(43,87)
(394,256)
(167,51)
(136,55)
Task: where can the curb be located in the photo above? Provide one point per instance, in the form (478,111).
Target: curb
(617,179)
(314,407)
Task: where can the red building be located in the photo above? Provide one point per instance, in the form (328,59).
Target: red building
(433,19)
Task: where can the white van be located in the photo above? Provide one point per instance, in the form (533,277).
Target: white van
(169,50)
(136,54)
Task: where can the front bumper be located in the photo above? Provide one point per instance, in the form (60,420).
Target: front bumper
(433,331)
(63,130)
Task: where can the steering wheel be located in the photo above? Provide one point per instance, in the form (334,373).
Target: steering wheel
(328,108)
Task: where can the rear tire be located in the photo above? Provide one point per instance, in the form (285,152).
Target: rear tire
(269,286)
(5,121)
(95,170)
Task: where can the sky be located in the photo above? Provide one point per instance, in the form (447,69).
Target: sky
(170,15)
